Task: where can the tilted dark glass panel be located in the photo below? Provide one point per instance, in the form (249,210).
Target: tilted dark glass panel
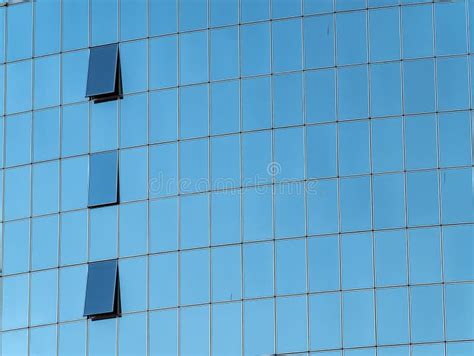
(104,76)
(103,179)
(102,290)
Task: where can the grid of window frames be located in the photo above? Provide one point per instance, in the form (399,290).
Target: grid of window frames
(295,177)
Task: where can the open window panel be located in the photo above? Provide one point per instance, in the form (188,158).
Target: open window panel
(104,79)
(102,291)
(103,179)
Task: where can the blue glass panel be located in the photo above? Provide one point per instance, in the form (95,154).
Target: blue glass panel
(224,12)
(163,115)
(193,58)
(44,242)
(47,31)
(164,326)
(16,247)
(390,258)
(17,193)
(74,229)
(417,31)
(350,4)
(355,204)
(134,120)
(225,162)
(325,321)
(322,207)
(226,273)
(384,34)
(194,165)
(2,34)
(320,96)
(163,170)
(450,21)
(133,19)
(392,316)
(15,302)
(192,14)
(18,140)
(323,263)
(75,24)
(426,313)
(420,141)
(72,339)
(227,329)
(194,111)
(74,183)
(133,174)
(418,83)
(45,188)
(104,126)
(133,284)
(163,62)
(459,311)
(428,350)
(319,41)
(389,201)
(318,6)
(254,10)
(164,225)
(286,45)
(102,337)
(256,103)
(163,16)
(75,130)
(292,319)
(103,178)
(358,318)
(425,255)
(458,248)
(351,37)
(74,76)
(46,90)
(354,148)
(46,135)
(321,151)
(194,221)
(258,270)
(393,350)
(352,92)
(226,41)
(72,291)
(454,139)
(225,217)
(385,89)
(225,107)
(20,31)
(387,145)
(194,330)
(133,229)
(288,156)
(288,99)
(19,93)
(257,211)
(255,47)
(453,83)
(460,348)
(422,189)
(43,297)
(289,210)
(43,341)
(134,64)
(290,266)
(133,335)
(101,286)
(456,197)
(163,284)
(104,21)
(285,8)
(357,261)
(194,276)
(103,233)
(259,327)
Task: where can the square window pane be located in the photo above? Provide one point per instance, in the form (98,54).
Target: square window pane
(357,261)
(192,14)
(72,338)
(390,258)
(286,45)
(133,229)
(288,155)
(226,273)
(194,220)
(255,47)
(323,263)
(101,289)
(450,21)
(419,86)
(103,233)
(163,165)
(72,289)
(459,311)
(258,270)
(44,242)
(320,95)
(325,321)
(292,319)
(417,31)
(425,255)
(164,325)
(194,166)
(227,329)
(163,62)
(133,284)
(18,139)
(225,162)
(194,111)
(45,188)
(289,210)
(288,99)
(194,276)
(74,183)
(225,217)
(163,225)
(358,318)
(43,341)
(454,139)
(134,63)
(256,103)
(74,230)
(257,211)
(104,126)
(163,17)
(354,151)
(74,76)
(259,327)
(389,201)
(290,266)
(322,205)
(193,57)
(43,297)
(453,83)
(74,130)
(163,115)
(422,190)
(384,27)
(103,179)
(163,281)
(102,337)
(385,89)
(353,92)
(355,204)
(46,135)
(458,249)
(194,330)
(254,10)
(17,193)
(16,247)
(387,145)
(392,316)
(426,313)
(351,37)
(225,40)
(15,302)
(134,174)
(224,12)
(46,89)
(456,196)
(134,120)
(225,107)
(318,40)
(133,334)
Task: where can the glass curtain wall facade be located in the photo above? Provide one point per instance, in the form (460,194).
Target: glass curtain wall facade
(295,177)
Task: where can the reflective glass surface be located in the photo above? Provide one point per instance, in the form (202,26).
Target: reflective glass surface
(103,179)
(101,77)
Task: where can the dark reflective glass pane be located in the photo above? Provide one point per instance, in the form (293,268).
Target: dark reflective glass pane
(103,178)
(103,69)
(101,296)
